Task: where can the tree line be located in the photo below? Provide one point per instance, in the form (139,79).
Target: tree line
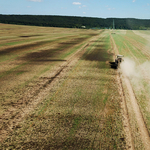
(76,22)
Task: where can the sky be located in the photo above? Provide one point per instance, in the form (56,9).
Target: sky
(85,8)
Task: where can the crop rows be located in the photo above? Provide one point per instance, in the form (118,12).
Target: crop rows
(58,90)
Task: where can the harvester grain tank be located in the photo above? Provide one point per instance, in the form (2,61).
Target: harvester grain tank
(118,60)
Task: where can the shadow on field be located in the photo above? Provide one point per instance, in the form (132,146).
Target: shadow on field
(59,131)
(49,60)
(49,54)
(94,34)
(113,65)
(74,41)
(55,144)
(26,36)
(69,131)
(98,54)
(22,48)
(25,47)
(51,128)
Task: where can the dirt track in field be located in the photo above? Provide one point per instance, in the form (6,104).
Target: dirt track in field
(126,123)
(139,117)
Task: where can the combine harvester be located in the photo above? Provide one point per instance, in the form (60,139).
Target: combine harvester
(118,60)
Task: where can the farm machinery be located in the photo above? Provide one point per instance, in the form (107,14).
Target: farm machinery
(118,60)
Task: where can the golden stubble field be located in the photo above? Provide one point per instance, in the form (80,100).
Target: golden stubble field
(59,91)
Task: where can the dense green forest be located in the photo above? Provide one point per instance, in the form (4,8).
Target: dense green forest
(76,22)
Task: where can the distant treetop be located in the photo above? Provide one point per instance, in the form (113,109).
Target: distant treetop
(76,22)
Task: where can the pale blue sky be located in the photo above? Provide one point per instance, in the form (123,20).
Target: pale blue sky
(89,8)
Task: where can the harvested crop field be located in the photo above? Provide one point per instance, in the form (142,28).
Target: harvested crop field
(58,89)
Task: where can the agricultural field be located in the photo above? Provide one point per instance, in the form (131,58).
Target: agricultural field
(58,89)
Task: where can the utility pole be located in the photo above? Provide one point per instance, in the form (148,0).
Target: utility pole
(113,24)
